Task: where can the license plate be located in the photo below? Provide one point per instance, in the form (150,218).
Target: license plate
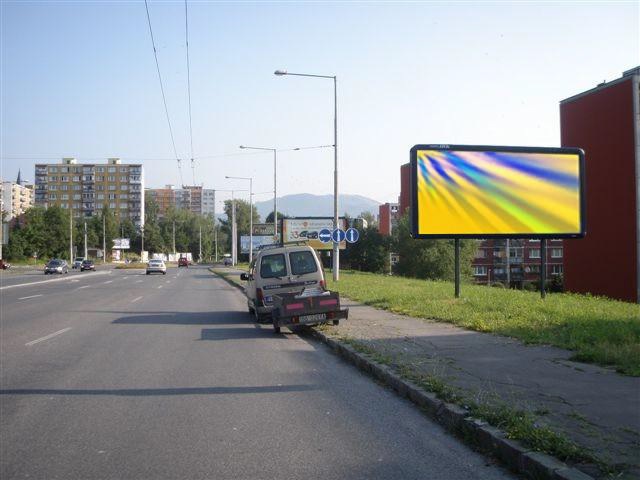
(318,317)
(268,299)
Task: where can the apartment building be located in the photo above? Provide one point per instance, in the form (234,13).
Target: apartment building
(16,198)
(388,215)
(490,264)
(194,198)
(87,187)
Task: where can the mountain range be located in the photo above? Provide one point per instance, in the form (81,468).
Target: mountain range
(308,205)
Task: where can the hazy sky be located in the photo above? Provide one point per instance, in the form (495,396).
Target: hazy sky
(79,79)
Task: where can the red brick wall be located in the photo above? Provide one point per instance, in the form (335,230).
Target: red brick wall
(601,123)
(384,221)
(405,187)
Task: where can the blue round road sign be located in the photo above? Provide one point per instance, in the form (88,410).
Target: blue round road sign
(338,235)
(324,235)
(352,235)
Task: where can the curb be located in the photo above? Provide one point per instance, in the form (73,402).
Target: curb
(455,419)
(520,459)
(230,282)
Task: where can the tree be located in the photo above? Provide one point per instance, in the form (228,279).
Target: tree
(153,240)
(269,218)
(242,219)
(369,218)
(432,259)
(370,253)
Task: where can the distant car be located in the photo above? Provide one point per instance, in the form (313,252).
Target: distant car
(226,261)
(56,266)
(183,262)
(87,265)
(312,235)
(4,265)
(303,234)
(156,266)
(77,262)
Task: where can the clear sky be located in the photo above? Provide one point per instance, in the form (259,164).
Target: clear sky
(79,79)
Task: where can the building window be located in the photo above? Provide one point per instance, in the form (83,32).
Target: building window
(481,253)
(100,196)
(112,187)
(77,196)
(52,196)
(87,178)
(77,187)
(53,187)
(534,253)
(556,253)
(124,178)
(64,179)
(533,269)
(556,269)
(112,205)
(112,196)
(53,170)
(65,197)
(75,178)
(124,187)
(64,169)
(111,178)
(480,270)
(111,169)
(124,196)
(53,179)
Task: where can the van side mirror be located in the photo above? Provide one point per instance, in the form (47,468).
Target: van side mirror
(244,276)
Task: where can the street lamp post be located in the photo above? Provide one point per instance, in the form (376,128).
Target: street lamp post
(336,249)
(250,212)
(275,189)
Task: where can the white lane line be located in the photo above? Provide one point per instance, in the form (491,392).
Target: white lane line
(124,278)
(42,339)
(159,286)
(138,281)
(48,281)
(84,286)
(108,281)
(168,281)
(30,296)
(74,280)
(136,299)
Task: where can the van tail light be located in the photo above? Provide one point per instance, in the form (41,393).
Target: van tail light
(323,285)
(259,295)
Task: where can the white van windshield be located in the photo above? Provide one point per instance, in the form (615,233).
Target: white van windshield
(302,262)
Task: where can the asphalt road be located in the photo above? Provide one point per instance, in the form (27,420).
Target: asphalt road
(119,375)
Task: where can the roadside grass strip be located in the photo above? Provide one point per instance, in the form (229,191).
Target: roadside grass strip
(597,329)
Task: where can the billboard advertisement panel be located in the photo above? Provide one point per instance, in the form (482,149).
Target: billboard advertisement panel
(121,243)
(461,191)
(258,241)
(263,229)
(307,229)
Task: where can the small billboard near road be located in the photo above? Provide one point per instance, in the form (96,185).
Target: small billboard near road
(121,244)
(263,229)
(308,230)
(462,191)
(258,241)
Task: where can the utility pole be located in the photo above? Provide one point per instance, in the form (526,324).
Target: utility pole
(200,244)
(86,253)
(508,265)
(142,238)
(104,240)
(234,232)
(70,234)
(174,238)
(215,238)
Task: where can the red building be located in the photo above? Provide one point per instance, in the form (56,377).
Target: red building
(388,216)
(405,187)
(605,123)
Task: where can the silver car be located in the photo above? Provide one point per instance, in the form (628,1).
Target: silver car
(156,266)
(56,266)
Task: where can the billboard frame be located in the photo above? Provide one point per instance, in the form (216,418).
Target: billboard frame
(496,148)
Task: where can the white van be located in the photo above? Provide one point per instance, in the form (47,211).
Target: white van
(280,269)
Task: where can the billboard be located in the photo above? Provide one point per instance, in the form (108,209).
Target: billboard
(121,244)
(258,241)
(461,191)
(307,229)
(263,229)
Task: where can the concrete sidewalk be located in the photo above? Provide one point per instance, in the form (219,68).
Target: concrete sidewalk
(596,408)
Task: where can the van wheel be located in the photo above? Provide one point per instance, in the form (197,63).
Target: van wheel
(252,310)
(276,329)
(336,322)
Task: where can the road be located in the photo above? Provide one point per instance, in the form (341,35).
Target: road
(118,375)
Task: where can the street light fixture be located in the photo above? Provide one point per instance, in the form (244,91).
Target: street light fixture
(250,212)
(336,250)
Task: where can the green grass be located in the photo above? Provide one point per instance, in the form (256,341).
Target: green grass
(132,265)
(598,330)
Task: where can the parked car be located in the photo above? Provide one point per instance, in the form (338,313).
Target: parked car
(87,265)
(156,266)
(183,262)
(77,262)
(226,261)
(4,265)
(280,269)
(56,266)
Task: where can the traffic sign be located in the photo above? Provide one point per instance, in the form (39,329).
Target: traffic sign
(324,235)
(352,235)
(338,235)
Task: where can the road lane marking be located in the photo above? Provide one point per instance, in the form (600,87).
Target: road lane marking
(30,296)
(84,286)
(124,278)
(51,335)
(108,281)
(74,280)
(138,281)
(159,286)
(136,299)
(168,281)
(48,281)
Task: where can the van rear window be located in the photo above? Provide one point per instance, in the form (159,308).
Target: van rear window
(302,262)
(273,266)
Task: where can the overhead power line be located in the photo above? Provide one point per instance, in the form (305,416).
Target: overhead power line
(164,99)
(186,33)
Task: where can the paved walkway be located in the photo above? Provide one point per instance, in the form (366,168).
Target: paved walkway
(595,407)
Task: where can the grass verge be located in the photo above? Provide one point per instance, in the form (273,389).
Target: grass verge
(598,330)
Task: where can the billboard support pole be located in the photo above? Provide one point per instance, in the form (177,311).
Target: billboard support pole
(543,266)
(457,267)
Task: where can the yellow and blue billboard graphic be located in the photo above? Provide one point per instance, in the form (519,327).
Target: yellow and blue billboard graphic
(483,192)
